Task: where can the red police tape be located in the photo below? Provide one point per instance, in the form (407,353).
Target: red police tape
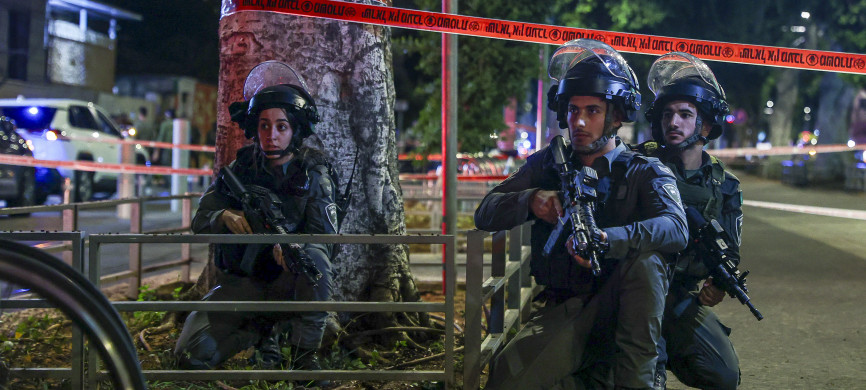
(542,33)
(783,150)
(93,166)
(150,144)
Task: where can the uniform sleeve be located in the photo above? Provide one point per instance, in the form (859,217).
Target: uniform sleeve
(320,212)
(663,227)
(211,206)
(507,204)
(732,211)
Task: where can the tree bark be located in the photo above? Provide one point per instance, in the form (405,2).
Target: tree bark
(348,70)
(834,105)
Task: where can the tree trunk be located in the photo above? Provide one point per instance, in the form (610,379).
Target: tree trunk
(781,123)
(832,119)
(348,69)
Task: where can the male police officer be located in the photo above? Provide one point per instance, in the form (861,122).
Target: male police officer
(688,111)
(617,315)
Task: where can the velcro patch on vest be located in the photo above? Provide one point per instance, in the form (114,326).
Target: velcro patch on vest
(332,215)
(673,192)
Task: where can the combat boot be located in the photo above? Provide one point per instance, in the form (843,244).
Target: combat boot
(308,359)
(661,378)
(268,353)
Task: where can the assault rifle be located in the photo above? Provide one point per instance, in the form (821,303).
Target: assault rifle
(578,198)
(714,241)
(262,210)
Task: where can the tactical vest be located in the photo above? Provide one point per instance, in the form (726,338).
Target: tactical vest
(561,275)
(704,191)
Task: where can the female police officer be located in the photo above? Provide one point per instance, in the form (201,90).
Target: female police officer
(278,115)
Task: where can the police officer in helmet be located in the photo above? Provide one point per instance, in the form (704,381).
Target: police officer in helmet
(688,112)
(594,331)
(278,114)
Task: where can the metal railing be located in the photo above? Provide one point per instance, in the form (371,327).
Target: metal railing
(509,289)
(90,311)
(134,208)
(446,375)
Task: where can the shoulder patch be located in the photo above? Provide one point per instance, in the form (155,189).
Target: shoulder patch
(332,216)
(672,191)
(659,168)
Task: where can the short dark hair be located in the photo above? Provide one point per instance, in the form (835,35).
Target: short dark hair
(142,110)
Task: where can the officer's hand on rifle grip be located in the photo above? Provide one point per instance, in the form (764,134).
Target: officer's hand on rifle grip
(235,221)
(569,245)
(710,295)
(278,256)
(546,206)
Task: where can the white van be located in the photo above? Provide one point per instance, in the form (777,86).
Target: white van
(69,130)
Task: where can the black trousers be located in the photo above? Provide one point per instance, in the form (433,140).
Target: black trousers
(696,347)
(610,340)
(210,338)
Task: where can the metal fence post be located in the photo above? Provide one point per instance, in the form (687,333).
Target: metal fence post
(125,185)
(135,226)
(185,252)
(77,349)
(496,322)
(472,338)
(514,257)
(70,224)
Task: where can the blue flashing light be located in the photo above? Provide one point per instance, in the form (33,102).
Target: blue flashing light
(33,111)
(787,163)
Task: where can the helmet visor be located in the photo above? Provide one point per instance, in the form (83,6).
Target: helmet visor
(675,66)
(270,73)
(587,50)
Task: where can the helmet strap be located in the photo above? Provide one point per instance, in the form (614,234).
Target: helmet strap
(697,136)
(605,136)
(274,153)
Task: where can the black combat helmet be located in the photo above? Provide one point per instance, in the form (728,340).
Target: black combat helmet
(586,67)
(682,76)
(273,84)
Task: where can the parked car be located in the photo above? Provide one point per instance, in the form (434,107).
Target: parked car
(69,130)
(18,184)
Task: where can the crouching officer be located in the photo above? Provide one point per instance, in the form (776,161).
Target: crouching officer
(687,113)
(278,115)
(594,331)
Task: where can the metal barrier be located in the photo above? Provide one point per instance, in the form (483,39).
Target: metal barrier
(79,300)
(70,214)
(76,372)
(446,375)
(509,289)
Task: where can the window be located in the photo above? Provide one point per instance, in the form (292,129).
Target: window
(106,125)
(19,38)
(81,117)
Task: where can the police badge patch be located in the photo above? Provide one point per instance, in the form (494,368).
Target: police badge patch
(332,216)
(673,192)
